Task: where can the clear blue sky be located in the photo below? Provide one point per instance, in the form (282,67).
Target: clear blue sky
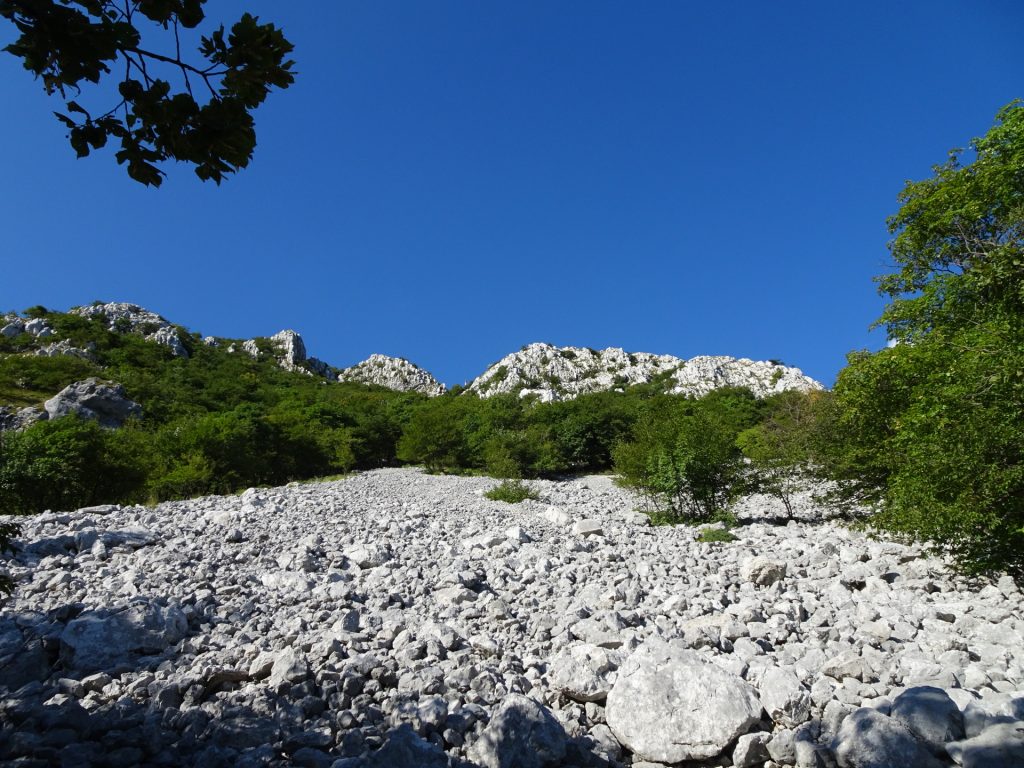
(449,181)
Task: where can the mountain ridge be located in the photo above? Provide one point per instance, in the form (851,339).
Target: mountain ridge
(541,370)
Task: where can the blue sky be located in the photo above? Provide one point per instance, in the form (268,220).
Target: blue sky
(449,181)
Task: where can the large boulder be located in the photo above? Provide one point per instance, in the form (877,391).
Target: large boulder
(869,739)
(93,399)
(669,704)
(101,639)
(931,715)
(521,734)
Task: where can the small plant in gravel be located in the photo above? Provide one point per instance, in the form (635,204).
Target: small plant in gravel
(716,536)
(511,491)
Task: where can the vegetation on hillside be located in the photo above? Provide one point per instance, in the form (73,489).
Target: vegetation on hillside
(929,432)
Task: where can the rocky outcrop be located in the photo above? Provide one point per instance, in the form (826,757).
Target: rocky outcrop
(122,317)
(13,325)
(393,373)
(561,373)
(290,352)
(65,348)
(93,399)
(399,619)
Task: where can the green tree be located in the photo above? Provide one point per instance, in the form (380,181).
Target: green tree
(780,447)
(684,456)
(206,121)
(936,422)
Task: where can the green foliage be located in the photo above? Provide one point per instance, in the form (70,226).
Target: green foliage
(68,43)
(684,455)
(512,492)
(711,535)
(65,464)
(781,447)
(933,428)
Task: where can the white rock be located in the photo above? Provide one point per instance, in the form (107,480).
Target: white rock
(669,704)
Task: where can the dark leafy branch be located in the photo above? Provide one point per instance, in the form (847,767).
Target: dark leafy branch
(69,43)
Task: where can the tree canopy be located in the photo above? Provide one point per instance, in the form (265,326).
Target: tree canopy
(164,107)
(937,420)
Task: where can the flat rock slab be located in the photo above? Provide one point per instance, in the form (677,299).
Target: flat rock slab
(669,704)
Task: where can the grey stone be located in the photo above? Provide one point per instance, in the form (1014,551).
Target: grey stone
(763,571)
(93,399)
(784,697)
(588,527)
(669,704)
(584,672)
(751,749)
(522,734)
(869,739)
(99,639)
(998,746)
(931,715)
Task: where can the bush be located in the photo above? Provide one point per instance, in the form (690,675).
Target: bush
(684,456)
(511,491)
(716,536)
(66,464)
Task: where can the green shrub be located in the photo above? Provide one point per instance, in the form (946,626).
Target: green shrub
(65,464)
(511,491)
(716,536)
(684,455)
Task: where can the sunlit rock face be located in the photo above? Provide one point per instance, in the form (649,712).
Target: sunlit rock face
(122,317)
(562,373)
(393,373)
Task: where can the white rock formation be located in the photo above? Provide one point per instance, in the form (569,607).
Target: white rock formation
(101,401)
(562,373)
(393,373)
(290,352)
(122,317)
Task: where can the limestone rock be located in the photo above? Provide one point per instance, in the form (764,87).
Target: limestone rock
(560,373)
(522,734)
(23,418)
(66,349)
(93,399)
(931,715)
(584,672)
(998,746)
(393,373)
(669,704)
(99,639)
(784,697)
(869,739)
(122,317)
(763,571)
(405,749)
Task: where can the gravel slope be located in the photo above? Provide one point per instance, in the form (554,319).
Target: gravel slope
(306,624)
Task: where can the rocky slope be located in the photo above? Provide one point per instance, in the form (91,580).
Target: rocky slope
(559,373)
(393,373)
(397,619)
(131,318)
